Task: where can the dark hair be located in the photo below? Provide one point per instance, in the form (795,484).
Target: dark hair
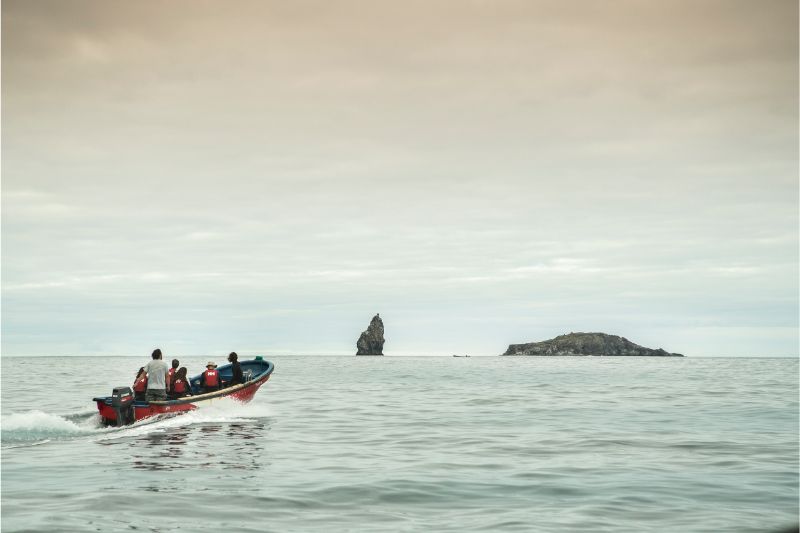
(175,363)
(139,373)
(233,357)
(157,353)
(181,374)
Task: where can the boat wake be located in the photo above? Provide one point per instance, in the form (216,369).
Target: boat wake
(37,427)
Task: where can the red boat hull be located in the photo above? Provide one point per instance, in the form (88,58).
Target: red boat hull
(143,411)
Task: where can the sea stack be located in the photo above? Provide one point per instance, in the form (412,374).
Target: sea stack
(586,344)
(371,341)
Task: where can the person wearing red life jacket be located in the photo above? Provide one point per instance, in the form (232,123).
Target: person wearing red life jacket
(140,385)
(171,373)
(180,385)
(210,380)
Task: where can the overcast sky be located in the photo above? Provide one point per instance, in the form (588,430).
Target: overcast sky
(266,176)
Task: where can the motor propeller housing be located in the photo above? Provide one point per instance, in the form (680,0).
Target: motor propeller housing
(122,402)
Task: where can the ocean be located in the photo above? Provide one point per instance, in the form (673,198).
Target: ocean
(412,444)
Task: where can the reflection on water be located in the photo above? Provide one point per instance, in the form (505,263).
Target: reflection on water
(245,446)
(160,449)
(210,429)
(247,432)
(237,445)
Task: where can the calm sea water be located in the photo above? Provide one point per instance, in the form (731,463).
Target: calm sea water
(413,444)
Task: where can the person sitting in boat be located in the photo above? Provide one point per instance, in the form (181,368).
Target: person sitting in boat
(236,368)
(157,380)
(180,385)
(140,385)
(171,373)
(210,379)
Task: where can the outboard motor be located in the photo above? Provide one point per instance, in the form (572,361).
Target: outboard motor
(122,403)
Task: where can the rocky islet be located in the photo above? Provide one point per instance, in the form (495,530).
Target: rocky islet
(371,340)
(601,344)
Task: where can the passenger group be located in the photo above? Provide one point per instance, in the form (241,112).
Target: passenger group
(155,382)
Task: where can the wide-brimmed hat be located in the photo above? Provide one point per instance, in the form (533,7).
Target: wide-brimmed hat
(211,363)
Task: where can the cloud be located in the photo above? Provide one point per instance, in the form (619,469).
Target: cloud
(198,172)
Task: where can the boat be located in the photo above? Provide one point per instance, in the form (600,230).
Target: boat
(121,408)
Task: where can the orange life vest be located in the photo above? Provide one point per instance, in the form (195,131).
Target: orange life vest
(179,386)
(140,385)
(171,373)
(212,378)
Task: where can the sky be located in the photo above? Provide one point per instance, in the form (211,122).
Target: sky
(265,176)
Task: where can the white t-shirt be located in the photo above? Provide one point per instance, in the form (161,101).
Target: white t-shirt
(156,375)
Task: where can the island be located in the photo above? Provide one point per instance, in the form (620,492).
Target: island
(371,341)
(600,344)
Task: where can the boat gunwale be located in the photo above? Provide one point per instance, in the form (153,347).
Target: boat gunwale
(256,380)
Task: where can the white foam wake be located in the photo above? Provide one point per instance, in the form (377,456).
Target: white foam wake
(36,427)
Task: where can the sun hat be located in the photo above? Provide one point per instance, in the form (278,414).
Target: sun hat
(211,363)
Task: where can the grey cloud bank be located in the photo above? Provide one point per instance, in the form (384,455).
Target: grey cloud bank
(207,176)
